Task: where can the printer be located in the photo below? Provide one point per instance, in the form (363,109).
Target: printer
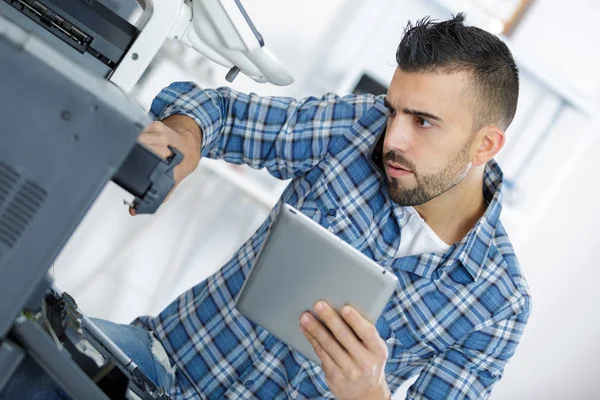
(68,126)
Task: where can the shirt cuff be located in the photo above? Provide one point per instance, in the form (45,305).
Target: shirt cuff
(200,105)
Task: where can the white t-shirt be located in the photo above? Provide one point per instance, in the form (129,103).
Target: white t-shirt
(418,237)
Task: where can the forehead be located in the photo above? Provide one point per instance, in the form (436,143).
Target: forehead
(441,94)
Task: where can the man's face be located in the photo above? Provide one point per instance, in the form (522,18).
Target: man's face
(428,142)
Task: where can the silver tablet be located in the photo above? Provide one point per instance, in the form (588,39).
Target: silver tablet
(301,262)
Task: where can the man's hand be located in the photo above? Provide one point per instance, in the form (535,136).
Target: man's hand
(352,353)
(180,132)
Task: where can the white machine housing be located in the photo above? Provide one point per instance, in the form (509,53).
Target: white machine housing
(218,29)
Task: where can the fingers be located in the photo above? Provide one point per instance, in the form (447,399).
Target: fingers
(365,330)
(353,354)
(341,330)
(326,360)
(157,137)
(155,127)
(324,342)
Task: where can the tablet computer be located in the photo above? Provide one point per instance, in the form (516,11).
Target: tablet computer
(302,262)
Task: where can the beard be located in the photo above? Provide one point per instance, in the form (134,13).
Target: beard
(429,186)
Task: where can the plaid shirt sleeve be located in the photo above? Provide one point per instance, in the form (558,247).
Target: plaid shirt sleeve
(470,368)
(285,135)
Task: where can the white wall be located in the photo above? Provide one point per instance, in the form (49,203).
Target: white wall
(558,353)
(557,358)
(562,39)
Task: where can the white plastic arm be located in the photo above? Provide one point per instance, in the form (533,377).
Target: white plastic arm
(222,31)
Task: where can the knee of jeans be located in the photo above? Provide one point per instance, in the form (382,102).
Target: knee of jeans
(165,372)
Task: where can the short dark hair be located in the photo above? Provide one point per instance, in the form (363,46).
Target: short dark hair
(450,46)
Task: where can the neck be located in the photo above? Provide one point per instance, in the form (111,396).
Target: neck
(455,212)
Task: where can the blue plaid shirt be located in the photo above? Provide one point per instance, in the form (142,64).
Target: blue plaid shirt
(455,319)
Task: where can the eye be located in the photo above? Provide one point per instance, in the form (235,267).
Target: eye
(423,123)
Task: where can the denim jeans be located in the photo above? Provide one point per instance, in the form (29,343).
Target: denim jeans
(32,383)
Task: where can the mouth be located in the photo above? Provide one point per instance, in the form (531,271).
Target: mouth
(396,170)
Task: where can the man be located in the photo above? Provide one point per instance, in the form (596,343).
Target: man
(408,179)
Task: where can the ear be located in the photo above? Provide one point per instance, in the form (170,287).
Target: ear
(490,139)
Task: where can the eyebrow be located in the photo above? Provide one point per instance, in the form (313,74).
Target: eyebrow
(410,111)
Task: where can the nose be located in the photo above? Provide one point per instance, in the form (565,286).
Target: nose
(398,135)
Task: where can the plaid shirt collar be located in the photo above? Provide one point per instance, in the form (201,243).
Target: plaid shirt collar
(472,250)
